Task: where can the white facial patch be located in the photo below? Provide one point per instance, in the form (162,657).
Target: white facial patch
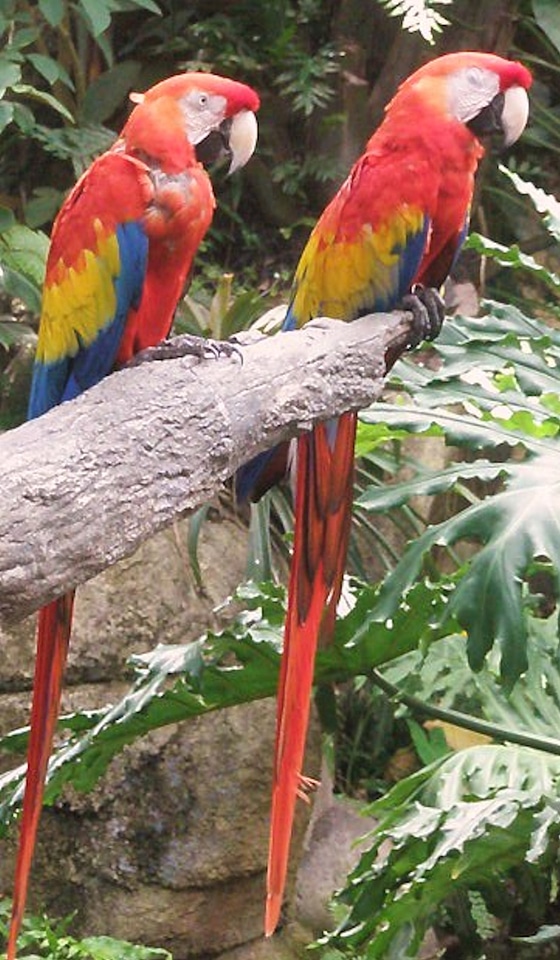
(203,113)
(470,90)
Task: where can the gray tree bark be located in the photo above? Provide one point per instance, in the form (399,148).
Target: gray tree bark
(89,481)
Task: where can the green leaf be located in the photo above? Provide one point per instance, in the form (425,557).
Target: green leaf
(439,683)
(98,14)
(42,206)
(10,74)
(239,665)
(6,114)
(544,203)
(13,333)
(53,11)
(7,219)
(547,15)
(515,527)
(427,483)
(50,69)
(496,387)
(149,5)
(107,93)
(32,93)
(459,823)
(512,257)
(24,119)
(23,255)
(196,526)
(106,948)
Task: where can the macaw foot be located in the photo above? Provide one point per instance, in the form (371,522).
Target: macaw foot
(306,786)
(187,345)
(428,310)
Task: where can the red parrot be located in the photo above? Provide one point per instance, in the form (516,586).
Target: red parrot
(394,228)
(121,252)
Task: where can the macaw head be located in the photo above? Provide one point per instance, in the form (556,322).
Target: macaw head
(482,91)
(201,112)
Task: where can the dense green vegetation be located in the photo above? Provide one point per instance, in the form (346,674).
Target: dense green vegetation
(474,833)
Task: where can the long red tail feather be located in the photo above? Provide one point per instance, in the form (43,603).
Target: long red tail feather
(325,474)
(53,634)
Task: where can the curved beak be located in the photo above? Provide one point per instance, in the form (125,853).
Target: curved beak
(515,113)
(242,139)
(506,115)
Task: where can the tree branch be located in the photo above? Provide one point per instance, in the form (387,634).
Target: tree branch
(86,483)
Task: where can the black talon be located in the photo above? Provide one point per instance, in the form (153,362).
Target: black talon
(428,310)
(187,345)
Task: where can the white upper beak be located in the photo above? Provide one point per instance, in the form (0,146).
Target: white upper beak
(514,114)
(242,139)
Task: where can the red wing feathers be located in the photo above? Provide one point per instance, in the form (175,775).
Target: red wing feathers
(53,634)
(325,474)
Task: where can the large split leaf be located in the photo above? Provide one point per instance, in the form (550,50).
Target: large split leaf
(458,824)
(179,682)
(495,396)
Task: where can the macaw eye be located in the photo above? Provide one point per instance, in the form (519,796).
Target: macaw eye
(202,99)
(475,77)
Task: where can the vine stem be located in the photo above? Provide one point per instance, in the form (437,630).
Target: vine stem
(465,720)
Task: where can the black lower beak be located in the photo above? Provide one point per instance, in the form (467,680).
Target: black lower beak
(489,121)
(215,146)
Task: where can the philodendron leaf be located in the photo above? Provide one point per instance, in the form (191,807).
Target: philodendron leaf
(461,822)
(239,665)
(513,527)
(494,395)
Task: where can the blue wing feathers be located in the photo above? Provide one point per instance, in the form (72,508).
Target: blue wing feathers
(66,378)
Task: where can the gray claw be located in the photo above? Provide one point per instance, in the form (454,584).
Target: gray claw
(187,345)
(428,310)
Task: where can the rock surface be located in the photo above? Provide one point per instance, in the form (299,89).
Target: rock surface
(170,847)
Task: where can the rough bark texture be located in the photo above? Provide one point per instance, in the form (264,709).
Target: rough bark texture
(88,482)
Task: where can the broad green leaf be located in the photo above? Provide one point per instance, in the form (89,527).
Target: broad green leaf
(458,824)
(388,496)
(10,74)
(512,257)
(50,69)
(24,119)
(79,144)
(23,255)
(544,203)
(53,11)
(7,219)
(514,527)
(440,675)
(13,333)
(108,92)
(42,206)
(6,114)
(496,388)
(106,948)
(239,665)
(547,15)
(150,5)
(98,14)
(32,93)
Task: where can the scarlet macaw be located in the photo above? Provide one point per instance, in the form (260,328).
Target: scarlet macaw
(397,221)
(121,252)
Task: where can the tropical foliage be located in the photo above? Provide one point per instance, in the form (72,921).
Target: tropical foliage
(468,842)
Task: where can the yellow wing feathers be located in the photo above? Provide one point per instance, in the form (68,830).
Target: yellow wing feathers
(78,301)
(341,276)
